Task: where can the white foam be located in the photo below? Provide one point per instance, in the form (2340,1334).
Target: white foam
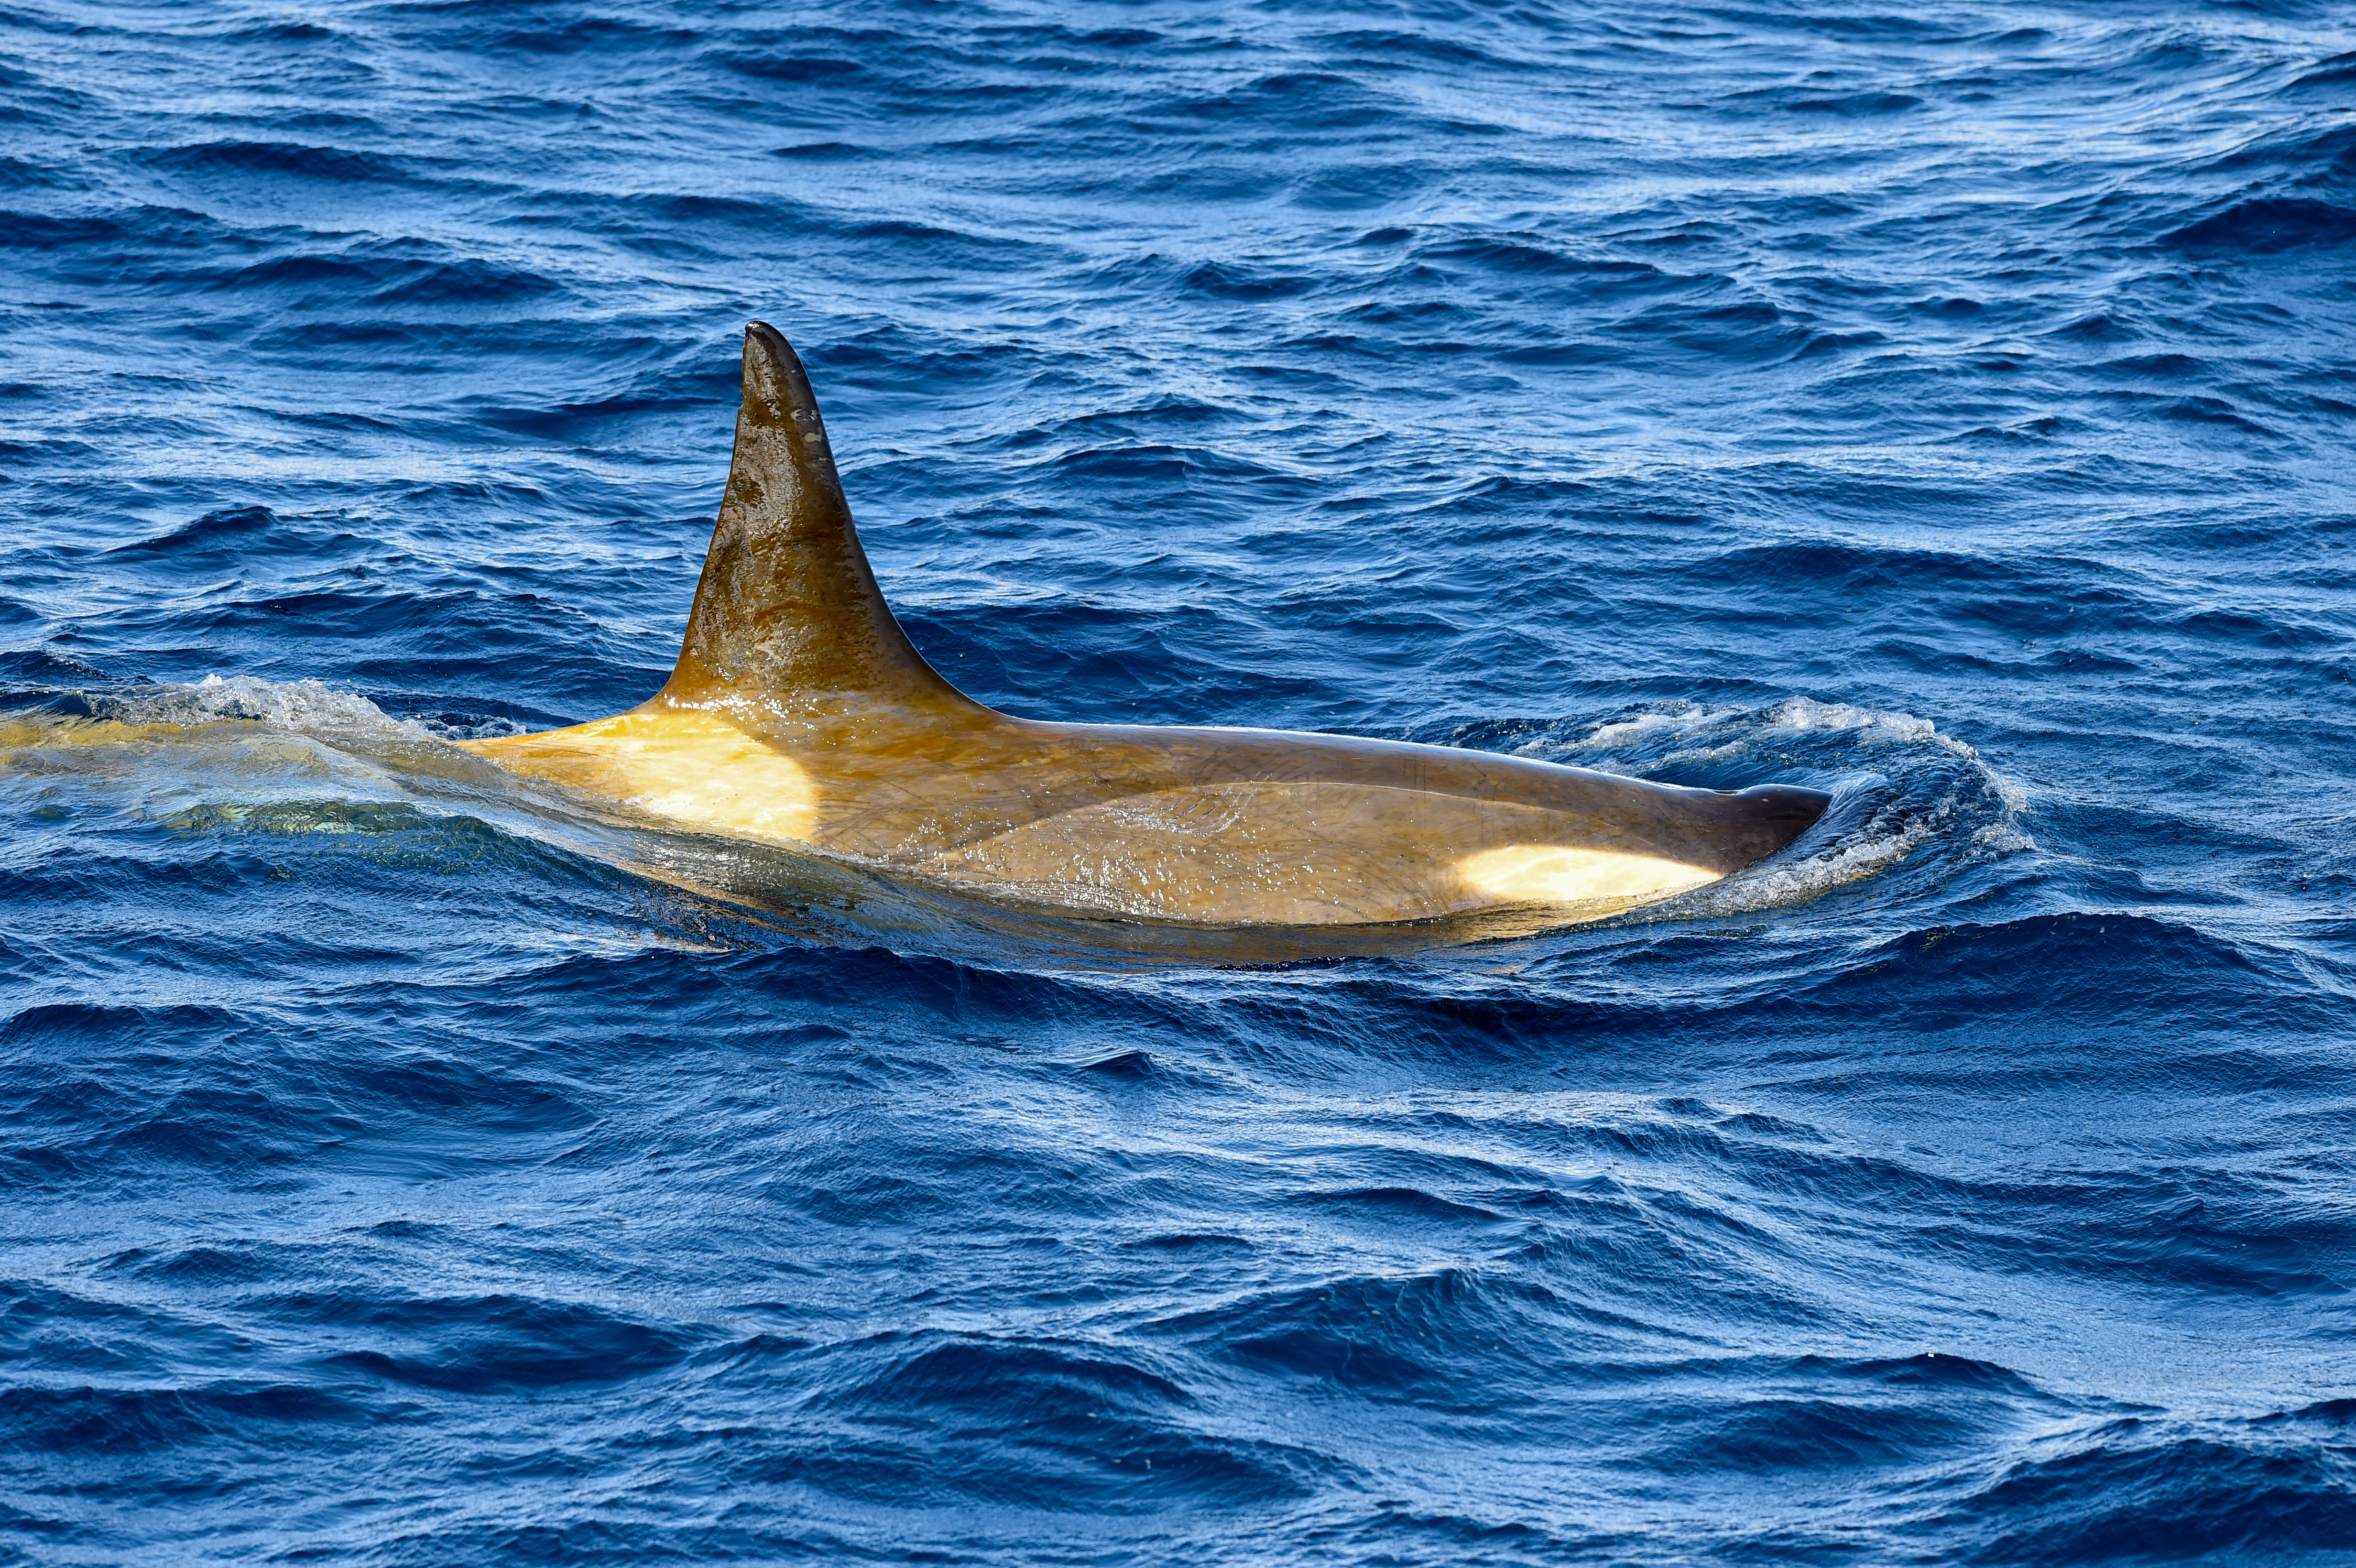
(1874,726)
(1624,731)
(1893,745)
(1795,881)
(303,706)
(1739,730)
(1807,713)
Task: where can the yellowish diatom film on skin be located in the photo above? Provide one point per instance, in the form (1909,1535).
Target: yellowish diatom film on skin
(687,767)
(798,713)
(1554,873)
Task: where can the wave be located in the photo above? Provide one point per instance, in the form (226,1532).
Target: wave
(2267,225)
(407,1164)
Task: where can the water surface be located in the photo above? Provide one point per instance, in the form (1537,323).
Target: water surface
(1948,408)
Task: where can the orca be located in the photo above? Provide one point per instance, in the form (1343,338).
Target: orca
(801,715)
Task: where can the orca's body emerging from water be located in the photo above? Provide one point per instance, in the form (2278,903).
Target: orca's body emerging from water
(800,714)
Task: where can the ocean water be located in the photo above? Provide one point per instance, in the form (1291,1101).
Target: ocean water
(1948,406)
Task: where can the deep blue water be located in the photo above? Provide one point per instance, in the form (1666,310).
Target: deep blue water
(1949,407)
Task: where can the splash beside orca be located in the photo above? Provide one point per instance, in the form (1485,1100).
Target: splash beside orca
(799,714)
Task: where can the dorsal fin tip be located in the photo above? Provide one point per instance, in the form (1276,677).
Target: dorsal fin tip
(773,377)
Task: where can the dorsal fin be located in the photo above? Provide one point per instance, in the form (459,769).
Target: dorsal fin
(787,616)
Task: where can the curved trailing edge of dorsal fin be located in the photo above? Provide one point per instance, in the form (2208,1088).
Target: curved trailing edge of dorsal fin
(788,615)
